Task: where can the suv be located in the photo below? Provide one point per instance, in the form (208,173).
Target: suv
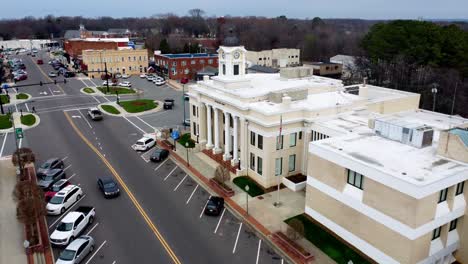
(64,200)
(52,163)
(168,103)
(94,113)
(48,178)
(76,251)
(144,143)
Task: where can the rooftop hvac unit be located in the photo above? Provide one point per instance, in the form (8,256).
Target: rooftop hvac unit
(407,133)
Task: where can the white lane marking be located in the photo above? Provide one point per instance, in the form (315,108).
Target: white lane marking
(258,251)
(16,107)
(144,122)
(144,132)
(66,168)
(65,213)
(188,200)
(92,229)
(95,252)
(170,172)
(282,261)
(65,107)
(113,262)
(75,109)
(20,142)
(27,108)
(66,157)
(237,239)
(85,119)
(161,164)
(73,175)
(96,100)
(76,116)
(51,91)
(3,144)
(175,189)
(203,209)
(219,222)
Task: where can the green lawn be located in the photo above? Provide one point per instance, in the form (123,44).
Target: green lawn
(254,189)
(110,109)
(330,245)
(114,89)
(88,90)
(136,106)
(22,96)
(4,98)
(5,122)
(186,138)
(28,120)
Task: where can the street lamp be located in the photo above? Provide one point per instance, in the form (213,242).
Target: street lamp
(117,93)
(183,102)
(434,94)
(20,165)
(186,149)
(247,188)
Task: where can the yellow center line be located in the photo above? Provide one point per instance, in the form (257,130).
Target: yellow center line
(47,76)
(129,193)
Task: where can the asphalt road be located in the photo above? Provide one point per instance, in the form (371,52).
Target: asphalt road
(160,206)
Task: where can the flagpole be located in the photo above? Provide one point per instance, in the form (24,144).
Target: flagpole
(280,141)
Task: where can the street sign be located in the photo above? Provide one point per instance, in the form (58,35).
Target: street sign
(19,133)
(175,134)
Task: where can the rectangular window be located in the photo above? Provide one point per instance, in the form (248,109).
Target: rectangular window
(436,233)
(134,58)
(460,187)
(279,142)
(292,139)
(278,166)
(260,141)
(355,179)
(300,135)
(194,128)
(174,63)
(252,138)
(184,63)
(210,61)
(139,58)
(259,165)
(453,225)
(123,59)
(224,69)
(194,110)
(292,163)
(193,62)
(236,69)
(252,161)
(443,195)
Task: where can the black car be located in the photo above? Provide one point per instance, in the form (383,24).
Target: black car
(69,74)
(48,178)
(52,163)
(214,206)
(168,103)
(108,187)
(159,155)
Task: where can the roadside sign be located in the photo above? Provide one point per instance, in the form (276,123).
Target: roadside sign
(19,133)
(175,134)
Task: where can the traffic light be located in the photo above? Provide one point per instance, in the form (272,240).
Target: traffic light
(64,80)
(40,83)
(55,81)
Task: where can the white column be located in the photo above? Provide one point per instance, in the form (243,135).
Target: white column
(209,144)
(235,148)
(216,131)
(227,136)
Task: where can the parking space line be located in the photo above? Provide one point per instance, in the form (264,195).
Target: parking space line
(188,200)
(66,157)
(95,252)
(180,182)
(219,222)
(203,209)
(170,172)
(144,132)
(3,145)
(94,97)
(74,174)
(26,105)
(161,164)
(92,229)
(144,122)
(66,168)
(65,213)
(85,119)
(258,251)
(237,239)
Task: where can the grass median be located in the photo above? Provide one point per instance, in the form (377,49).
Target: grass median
(88,90)
(115,89)
(137,106)
(110,109)
(5,122)
(28,120)
(4,98)
(22,96)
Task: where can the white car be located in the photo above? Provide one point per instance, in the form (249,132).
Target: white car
(143,75)
(76,251)
(125,84)
(52,74)
(72,225)
(62,200)
(124,76)
(144,143)
(159,82)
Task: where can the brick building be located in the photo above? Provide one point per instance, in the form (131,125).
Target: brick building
(75,47)
(185,65)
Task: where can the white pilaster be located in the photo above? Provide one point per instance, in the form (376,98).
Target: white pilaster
(217,149)
(227,137)
(235,147)
(209,144)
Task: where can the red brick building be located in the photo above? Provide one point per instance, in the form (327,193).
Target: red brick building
(185,65)
(75,47)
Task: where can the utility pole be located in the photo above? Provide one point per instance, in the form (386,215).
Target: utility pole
(183,102)
(20,165)
(107,76)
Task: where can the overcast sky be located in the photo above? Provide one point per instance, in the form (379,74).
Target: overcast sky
(366,9)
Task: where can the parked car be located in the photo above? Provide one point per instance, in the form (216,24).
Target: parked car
(21,77)
(111,83)
(48,178)
(40,62)
(95,114)
(159,155)
(184,80)
(106,77)
(150,77)
(64,199)
(72,225)
(52,163)
(159,82)
(186,122)
(76,251)
(144,143)
(125,76)
(56,187)
(214,206)
(186,97)
(52,74)
(108,187)
(69,74)
(125,84)
(168,103)
(143,75)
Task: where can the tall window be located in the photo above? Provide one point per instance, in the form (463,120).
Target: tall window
(259,165)
(174,63)
(260,141)
(443,195)
(278,166)
(300,135)
(252,138)
(193,62)
(436,233)
(292,163)
(292,139)
(194,128)
(236,69)
(355,179)
(252,161)
(460,187)
(224,69)
(453,225)
(194,110)
(184,63)
(279,142)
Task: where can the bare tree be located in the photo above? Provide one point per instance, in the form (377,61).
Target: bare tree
(196,12)
(222,174)
(295,229)
(165,133)
(25,154)
(30,200)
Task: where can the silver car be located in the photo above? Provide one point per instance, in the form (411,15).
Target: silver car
(76,251)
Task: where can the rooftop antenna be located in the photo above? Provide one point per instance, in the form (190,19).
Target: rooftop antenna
(453,99)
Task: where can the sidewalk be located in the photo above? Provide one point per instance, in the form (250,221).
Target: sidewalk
(263,216)
(11,231)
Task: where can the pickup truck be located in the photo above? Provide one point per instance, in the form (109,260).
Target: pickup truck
(72,225)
